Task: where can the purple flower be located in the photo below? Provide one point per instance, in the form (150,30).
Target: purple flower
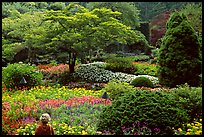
(157,129)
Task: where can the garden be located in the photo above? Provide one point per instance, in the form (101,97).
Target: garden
(155,92)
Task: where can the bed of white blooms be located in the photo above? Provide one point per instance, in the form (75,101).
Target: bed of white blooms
(95,72)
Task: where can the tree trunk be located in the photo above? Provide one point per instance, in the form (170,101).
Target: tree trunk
(72,60)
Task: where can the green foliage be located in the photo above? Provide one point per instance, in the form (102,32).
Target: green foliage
(191,98)
(146,69)
(149,10)
(141,58)
(130,13)
(13,73)
(56,6)
(115,88)
(65,77)
(157,109)
(120,64)
(179,55)
(155,52)
(142,81)
(194,14)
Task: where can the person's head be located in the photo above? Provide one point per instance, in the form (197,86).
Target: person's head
(45,118)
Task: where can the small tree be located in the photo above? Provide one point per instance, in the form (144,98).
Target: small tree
(179,58)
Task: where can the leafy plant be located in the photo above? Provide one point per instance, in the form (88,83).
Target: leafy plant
(146,69)
(159,110)
(116,88)
(191,98)
(13,74)
(141,58)
(120,64)
(142,81)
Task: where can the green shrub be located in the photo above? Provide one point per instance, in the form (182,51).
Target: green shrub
(159,110)
(120,64)
(66,77)
(191,98)
(141,58)
(116,88)
(142,81)
(146,69)
(13,74)
(179,55)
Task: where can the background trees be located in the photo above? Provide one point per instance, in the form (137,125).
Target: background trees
(130,13)
(58,31)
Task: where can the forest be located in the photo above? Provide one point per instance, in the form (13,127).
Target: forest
(102,68)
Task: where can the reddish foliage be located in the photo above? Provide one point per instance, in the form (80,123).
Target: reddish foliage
(159,29)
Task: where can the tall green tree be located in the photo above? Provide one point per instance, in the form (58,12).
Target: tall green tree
(179,55)
(83,30)
(130,13)
(17,33)
(149,10)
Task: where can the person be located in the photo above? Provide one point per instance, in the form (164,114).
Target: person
(44,128)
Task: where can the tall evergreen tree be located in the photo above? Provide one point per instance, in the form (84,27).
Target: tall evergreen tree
(179,58)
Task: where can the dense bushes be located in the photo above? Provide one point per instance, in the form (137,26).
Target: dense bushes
(94,72)
(159,110)
(142,81)
(13,74)
(179,55)
(141,58)
(145,68)
(191,99)
(120,64)
(117,88)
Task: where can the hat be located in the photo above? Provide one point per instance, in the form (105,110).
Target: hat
(45,118)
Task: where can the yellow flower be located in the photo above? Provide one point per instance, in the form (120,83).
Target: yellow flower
(18,130)
(198,132)
(99,132)
(189,130)
(33,132)
(201,120)
(84,132)
(188,133)
(179,129)
(188,125)
(195,127)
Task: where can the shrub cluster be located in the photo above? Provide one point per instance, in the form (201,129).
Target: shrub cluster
(13,74)
(141,58)
(159,110)
(117,88)
(92,73)
(191,98)
(146,69)
(142,81)
(120,64)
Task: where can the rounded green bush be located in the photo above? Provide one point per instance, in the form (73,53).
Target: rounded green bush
(120,64)
(142,81)
(13,74)
(116,88)
(158,109)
